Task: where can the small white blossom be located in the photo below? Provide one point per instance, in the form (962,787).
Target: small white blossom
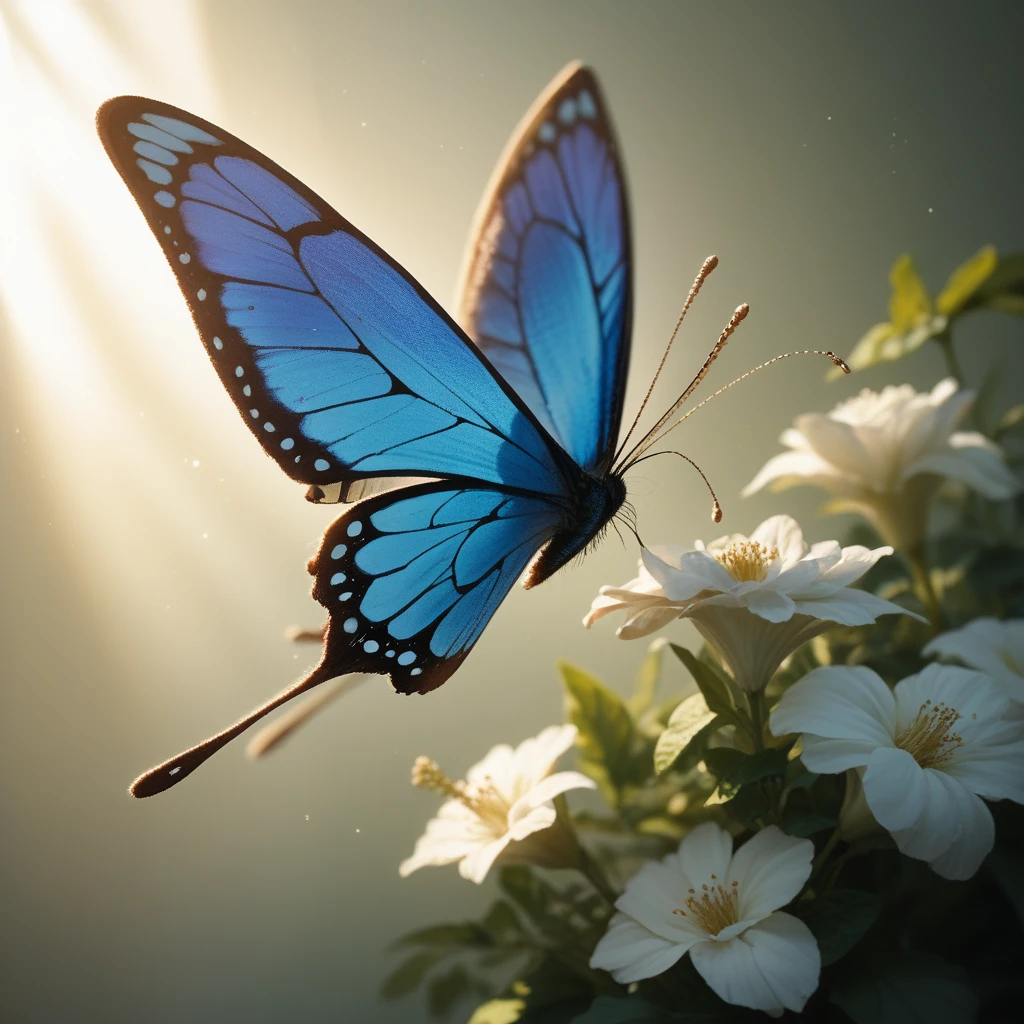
(989,645)
(723,909)
(754,599)
(884,454)
(927,752)
(505,798)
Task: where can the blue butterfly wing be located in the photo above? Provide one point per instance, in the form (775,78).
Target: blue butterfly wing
(547,284)
(411,578)
(342,366)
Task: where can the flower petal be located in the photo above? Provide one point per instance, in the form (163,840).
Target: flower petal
(652,894)
(770,869)
(975,697)
(955,833)
(535,757)
(631,952)
(976,835)
(648,620)
(993,647)
(547,789)
(774,966)
(705,851)
(479,860)
(895,788)
(790,469)
(830,757)
(972,460)
(770,605)
(837,702)
(530,820)
(851,607)
(782,532)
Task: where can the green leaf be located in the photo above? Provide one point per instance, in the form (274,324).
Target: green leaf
(410,973)
(965,281)
(911,988)
(910,304)
(501,921)
(839,919)
(802,823)
(498,1011)
(735,768)
(748,804)
(446,989)
(1004,288)
(606,733)
(636,1009)
(524,888)
(613,1010)
(461,935)
(710,683)
(646,682)
(689,718)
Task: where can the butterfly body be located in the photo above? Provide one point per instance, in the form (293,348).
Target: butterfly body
(477,458)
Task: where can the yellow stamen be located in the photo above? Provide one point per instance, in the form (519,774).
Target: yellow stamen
(929,739)
(483,800)
(747,560)
(716,908)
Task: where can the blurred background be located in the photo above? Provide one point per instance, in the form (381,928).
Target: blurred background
(152,556)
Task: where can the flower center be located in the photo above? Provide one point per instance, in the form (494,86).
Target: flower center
(929,739)
(747,560)
(715,907)
(483,800)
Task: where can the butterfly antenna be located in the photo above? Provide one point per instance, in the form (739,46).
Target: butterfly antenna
(716,508)
(836,361)
(171,772)
(708,265)
(738,316)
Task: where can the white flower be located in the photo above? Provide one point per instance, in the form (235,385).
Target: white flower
(927,753)
(884,454)
(993,647)
(755,600)
(722,909)
(505,798)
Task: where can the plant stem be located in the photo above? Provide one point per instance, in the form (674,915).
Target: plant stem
(826,852)
(923,587)
(594,873)
(945,339)
(756,708)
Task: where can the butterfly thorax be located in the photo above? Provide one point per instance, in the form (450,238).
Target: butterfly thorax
(597,499)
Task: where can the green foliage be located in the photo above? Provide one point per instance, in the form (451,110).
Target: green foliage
(611,751)
(898,943)
(839,919)
(712,685)
(691,718)
(734,768)
(984,281)
(909,988)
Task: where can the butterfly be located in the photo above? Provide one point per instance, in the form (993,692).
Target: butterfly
(470,456)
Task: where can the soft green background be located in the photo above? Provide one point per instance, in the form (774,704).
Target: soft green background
(806,144)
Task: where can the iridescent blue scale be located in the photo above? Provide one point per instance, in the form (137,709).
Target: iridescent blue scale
(355,381)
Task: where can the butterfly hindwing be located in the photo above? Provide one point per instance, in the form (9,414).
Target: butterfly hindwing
(547,284)
(342,365)
(411,578)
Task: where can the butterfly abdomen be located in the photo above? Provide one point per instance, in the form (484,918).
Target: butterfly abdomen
(597,501)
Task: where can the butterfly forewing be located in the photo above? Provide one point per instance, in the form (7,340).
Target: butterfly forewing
(547,283)
(339,362)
